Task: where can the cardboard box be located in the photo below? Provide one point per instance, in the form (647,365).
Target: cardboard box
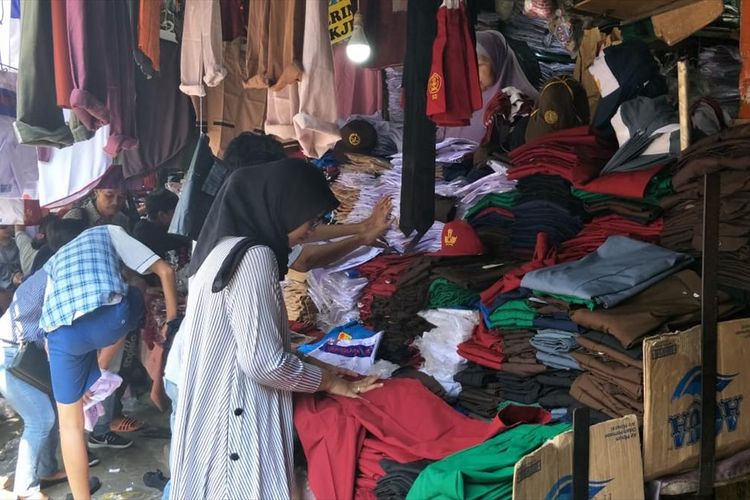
(672,385)
(615,467)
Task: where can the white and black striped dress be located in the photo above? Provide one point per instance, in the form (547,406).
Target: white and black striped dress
(233,433)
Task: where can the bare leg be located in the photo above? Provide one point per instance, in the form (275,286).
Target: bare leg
(74,448)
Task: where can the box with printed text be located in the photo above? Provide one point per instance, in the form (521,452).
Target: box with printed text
(615,470)
(672,389)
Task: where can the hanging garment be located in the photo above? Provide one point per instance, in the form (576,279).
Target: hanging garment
(149,21)
(403,421)
(229,108)
(40,122)
(306,111)
(164,116)
(100,39)
(453,91)
(201,59)
(71,173)
(63,75)
(18,171)
(194,204)
(418,178)
(276,32)
(359,91)
(385,27)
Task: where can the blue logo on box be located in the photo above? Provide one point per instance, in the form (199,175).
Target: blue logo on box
(686,426)
(563,489)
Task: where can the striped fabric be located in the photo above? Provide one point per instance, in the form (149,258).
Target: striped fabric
(233,432)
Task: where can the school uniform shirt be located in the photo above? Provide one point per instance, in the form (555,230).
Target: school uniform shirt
(232,437)
(84,275)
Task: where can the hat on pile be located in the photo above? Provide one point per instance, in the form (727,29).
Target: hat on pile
(459,239)
(648,131)
(563,104)
(623,72)
(357,136)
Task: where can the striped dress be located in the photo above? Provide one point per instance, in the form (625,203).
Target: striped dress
(233,433)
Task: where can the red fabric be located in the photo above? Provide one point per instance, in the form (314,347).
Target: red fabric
(495,210)
(594,234)
(623,184)
(485,347)
(382,274)
(453,91)
(344,439)
(233,18)
(545,255)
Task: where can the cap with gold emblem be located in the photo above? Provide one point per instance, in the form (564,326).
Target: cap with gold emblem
(459,239)
(563,104)
(357,136)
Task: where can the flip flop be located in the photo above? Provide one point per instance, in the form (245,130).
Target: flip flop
(49,483)
(126,424)
(94,486)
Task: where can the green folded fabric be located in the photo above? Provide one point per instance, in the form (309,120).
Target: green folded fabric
(502,200)
(486,470)
(445,294)
(514,314)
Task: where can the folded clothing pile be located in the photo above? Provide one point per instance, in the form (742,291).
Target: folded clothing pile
(484,389)
(728,154)
(545,204)
(619,269)
(505,350)
(398,479)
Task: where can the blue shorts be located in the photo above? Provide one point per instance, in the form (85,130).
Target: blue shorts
(73,349)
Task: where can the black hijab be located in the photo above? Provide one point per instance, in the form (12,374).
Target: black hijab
(263,204)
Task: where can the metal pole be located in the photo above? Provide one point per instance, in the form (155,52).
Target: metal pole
(709,318)
(581,454)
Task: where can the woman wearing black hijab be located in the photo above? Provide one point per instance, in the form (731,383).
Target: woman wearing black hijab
(232,436)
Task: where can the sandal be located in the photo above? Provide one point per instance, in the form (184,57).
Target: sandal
(126,424)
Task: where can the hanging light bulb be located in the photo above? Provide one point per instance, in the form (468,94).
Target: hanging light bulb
(358,48)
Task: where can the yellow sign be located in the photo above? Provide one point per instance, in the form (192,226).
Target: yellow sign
(433,85)
(340,20)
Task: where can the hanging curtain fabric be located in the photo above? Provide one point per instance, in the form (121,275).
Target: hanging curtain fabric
(418,178)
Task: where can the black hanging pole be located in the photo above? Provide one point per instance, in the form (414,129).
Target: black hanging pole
(709,318)
(581,454)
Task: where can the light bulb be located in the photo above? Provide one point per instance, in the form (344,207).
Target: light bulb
(358,48)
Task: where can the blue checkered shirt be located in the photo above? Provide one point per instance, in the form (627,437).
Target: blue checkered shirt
(84,275)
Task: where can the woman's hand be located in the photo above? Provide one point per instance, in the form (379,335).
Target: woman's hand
(351,389)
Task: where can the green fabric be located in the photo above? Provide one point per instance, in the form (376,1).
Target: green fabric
(589,304)
(39,121)
(484,471)
(514,314)
(503,200)
(506,403)
(444,293)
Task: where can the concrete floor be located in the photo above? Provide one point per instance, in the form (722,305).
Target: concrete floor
(121,471)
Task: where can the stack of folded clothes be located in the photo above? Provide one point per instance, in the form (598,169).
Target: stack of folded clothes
(554,388)
(727,153)
(398,479)
(505,350)
(544,204)
(483,390)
